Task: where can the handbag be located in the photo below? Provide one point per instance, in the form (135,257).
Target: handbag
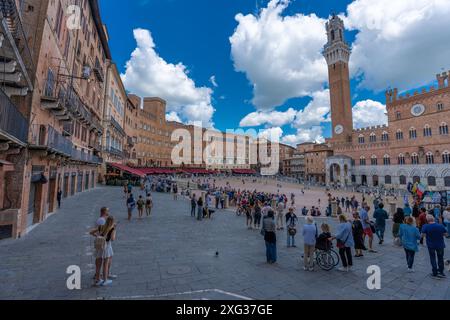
(398,241)
(341,244)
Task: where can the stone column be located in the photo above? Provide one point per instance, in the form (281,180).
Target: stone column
(392,208)
(227,202)
(334,208)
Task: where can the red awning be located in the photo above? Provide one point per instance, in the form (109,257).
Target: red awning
(127,169)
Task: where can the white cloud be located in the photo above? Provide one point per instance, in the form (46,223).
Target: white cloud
(313,134)
(272,118)
(272,134)
(281,56)
(213,81)
(400,43)
(147,74)
(316,112)
(173,116)
(369,113)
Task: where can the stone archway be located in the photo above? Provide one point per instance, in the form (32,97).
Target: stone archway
(339,170)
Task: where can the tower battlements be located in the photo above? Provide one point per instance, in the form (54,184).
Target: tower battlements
(392,95)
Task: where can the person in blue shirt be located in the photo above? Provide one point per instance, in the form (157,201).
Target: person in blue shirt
(380,215)
(131,204)
(407,210)
(345,243)
(409,236)
(434,234)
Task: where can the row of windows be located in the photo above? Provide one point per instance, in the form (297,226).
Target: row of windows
(439,107)
(118,105)
(431,180)
(414,159)
(427,132)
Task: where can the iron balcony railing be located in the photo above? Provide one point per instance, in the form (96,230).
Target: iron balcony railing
(12,123)
(45,136)
(79,155)
(12,27)
(118,127)
(114,151)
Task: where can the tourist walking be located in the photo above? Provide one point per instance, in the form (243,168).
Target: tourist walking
(140,206)
(409,235)
(270,237)
(422,221)
(291,227)
(309,239)
(200,208)
(380,215)
(193,205)
(345,243)
(358,235)
(131,205)
(434,234)
(175,192)
(257,215)
(364,215)
(280,209)
(398,219)
(58,198)
(148,204)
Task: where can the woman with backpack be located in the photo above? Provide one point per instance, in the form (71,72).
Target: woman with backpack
(291,226)
(104,235)
(270,237)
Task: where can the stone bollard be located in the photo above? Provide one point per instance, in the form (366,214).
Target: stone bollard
(227,202)
(392,208)
(334,209)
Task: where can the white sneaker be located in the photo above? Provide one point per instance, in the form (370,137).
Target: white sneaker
(311,269)
(343,269)
(305,268)
(107,283)
(98,283)
(410,270)
(349,268)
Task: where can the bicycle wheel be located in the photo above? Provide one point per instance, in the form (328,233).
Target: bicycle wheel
(325,260)
(336,257)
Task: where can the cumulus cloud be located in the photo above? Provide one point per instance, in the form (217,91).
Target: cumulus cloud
(369,113)
(147,74)
(399,43)
(173,116)
(280,55)
(272,134)
(316,112)
(272,118)
(313,134)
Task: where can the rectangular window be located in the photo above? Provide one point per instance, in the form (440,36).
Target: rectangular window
(59,20)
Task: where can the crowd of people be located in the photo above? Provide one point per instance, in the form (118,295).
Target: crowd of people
(270,213)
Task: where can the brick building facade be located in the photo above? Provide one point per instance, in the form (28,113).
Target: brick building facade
(413,146)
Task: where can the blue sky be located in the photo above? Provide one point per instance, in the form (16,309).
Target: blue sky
(196,33)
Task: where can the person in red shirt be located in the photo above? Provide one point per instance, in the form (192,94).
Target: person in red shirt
(422,219)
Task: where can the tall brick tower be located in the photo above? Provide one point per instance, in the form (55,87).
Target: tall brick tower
(337,53)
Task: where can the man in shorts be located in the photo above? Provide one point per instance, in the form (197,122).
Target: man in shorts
(365,221)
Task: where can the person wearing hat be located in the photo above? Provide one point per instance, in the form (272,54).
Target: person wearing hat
(291,226)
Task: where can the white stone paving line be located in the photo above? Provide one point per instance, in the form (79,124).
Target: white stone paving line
(177,294)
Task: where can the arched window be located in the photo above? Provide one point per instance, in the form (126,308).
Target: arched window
(447,181)
(443,129)
(440,106)
(398,115)
(429,158)
(403,180)
(427,131)
(361,138)
(386,160)
(416,179)
(446,157)
(412,133)
(399,134)
(414,158)
(401,159)
(362,161)
(384,136)
(373,160)
(387,180)
(373,137)
(431,181)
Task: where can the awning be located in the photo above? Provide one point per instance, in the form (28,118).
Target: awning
(6,166)
(127,169)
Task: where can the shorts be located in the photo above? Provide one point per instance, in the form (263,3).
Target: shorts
(368,231)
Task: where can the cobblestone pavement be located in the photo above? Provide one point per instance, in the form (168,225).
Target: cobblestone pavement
(172,256)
